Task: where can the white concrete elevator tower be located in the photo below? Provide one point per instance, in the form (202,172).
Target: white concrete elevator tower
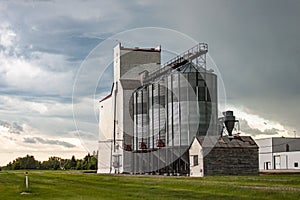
(115,117)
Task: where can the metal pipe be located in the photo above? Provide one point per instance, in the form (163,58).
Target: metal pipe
(115,113)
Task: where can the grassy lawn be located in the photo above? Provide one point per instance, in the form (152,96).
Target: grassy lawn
(78,185)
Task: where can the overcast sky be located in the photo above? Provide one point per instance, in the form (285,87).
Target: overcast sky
(255,44)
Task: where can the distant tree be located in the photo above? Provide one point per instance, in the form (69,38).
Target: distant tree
(8,166)
(66,164)
(89,162)
(79,165)
(73,162)
(93,163)
(52,163)
(27,162)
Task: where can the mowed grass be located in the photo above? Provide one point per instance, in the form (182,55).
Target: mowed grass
(79,185)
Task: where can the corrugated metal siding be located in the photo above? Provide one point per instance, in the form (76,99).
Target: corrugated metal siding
(188,110)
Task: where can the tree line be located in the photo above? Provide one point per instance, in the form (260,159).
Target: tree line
(89,162)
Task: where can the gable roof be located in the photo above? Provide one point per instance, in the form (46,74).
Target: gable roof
(227,142)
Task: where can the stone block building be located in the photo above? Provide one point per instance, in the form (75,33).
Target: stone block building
(223,155)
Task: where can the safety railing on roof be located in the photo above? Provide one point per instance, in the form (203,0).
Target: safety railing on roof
(189,55)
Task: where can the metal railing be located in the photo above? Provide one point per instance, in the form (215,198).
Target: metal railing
(189,55)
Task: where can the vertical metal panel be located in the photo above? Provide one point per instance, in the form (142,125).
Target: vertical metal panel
(175,109)
(150,114)
(170,111)
(135,124)
(162,112)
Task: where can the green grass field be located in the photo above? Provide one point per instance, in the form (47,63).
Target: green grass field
(79,185)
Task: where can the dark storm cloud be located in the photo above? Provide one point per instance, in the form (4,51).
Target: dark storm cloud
(48,141)
(256,45)
(260,50)
(72,31)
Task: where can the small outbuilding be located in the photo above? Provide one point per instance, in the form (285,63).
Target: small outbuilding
(223,155)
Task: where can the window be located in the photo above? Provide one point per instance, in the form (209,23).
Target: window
(296,164)
(195,158)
